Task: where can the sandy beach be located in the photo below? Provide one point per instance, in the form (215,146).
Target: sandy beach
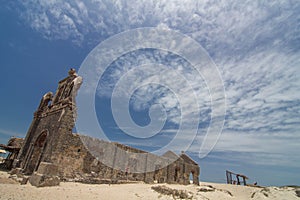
(13,190)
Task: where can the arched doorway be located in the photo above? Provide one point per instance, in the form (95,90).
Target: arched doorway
(156,175)
(36,153)
(191,177)
(176,174)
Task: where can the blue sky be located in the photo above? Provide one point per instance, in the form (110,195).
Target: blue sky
(254,44)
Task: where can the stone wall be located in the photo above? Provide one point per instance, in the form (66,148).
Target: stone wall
(134,164)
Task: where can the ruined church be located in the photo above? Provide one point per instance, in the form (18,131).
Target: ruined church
(51,152)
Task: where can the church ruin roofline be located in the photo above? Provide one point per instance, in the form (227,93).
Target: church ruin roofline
(170,154)
(117,144)
(188,159)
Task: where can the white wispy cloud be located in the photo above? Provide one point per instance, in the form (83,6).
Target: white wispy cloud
(174,92)
(258,148)
(262,91)
(240,22)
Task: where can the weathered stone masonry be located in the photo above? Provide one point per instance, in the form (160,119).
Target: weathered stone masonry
(51,151)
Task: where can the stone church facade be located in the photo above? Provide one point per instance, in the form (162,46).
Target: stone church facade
(50,151)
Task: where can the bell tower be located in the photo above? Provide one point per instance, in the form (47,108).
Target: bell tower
(52,124)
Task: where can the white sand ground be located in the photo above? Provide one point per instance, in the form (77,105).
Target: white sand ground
(10,190)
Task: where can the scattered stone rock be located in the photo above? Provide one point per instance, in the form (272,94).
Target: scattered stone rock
(297,193)
(206,189)
(182,194)
(209,188)
(14,176)
(225,191)
(47,169)
(24,180)
(15,171)
(41,180)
